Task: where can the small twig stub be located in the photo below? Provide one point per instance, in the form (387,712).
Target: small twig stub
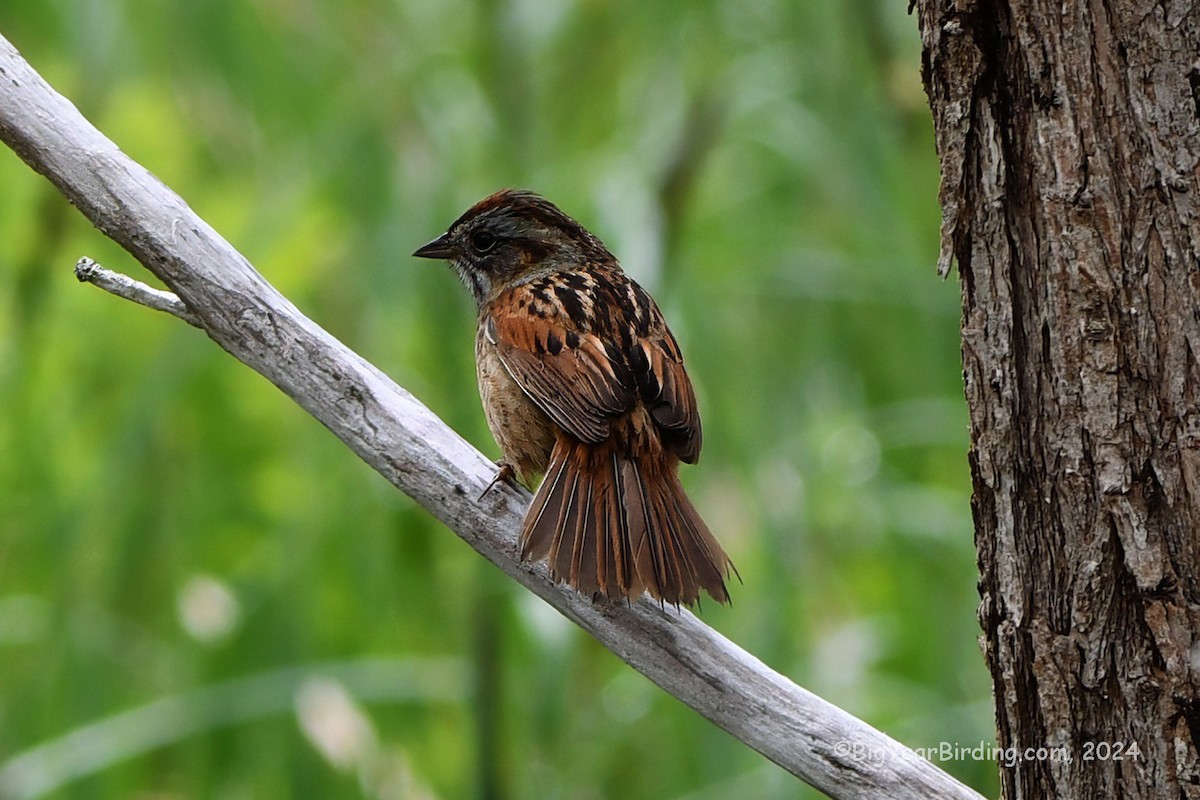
(88,271)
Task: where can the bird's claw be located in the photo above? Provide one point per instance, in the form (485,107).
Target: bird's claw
(504,473)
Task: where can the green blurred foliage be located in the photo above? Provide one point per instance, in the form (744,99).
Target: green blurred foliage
(178,541)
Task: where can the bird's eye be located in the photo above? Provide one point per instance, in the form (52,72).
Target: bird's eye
(483,241)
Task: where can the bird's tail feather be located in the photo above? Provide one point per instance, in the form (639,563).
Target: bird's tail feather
(614,525)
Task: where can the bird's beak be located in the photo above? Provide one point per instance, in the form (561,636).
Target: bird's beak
(438,248)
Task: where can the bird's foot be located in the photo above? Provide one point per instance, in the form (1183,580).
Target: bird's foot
(504,473)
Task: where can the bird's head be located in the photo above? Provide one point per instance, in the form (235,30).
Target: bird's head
(510,237)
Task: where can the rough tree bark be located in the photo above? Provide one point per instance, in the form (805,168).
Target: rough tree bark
(1069,140)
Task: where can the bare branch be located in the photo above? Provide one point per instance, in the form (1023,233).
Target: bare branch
(412,448)
(88,271)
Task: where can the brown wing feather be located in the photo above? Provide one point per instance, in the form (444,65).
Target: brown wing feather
(584,370)
(667,391)
(569,373)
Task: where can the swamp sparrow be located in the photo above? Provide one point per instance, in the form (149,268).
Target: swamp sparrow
(581,380)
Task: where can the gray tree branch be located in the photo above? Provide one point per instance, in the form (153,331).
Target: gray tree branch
(407,444)
(88,271)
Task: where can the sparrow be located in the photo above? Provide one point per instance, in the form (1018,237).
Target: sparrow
(582,382)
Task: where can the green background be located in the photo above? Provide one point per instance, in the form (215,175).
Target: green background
(204,594)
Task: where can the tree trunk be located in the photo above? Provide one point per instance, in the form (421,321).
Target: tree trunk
(1069,140)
